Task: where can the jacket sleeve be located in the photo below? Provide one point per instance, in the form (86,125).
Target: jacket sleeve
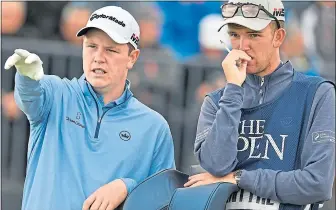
(35,98)
(130,184)
(163,157)
(314,182)
(216,144)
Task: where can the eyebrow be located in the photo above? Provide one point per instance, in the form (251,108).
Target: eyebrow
(88,42)
(107,47)
(254,32)
(112,48)
(248,32)
(231,31)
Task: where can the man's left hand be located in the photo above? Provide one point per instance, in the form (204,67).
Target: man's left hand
(207,178)
(107,197)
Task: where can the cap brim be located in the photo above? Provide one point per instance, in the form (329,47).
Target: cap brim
(114,36)
(255,24)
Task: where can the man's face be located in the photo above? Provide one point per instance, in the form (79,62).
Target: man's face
(257,44)
(72,23)
(12,16)
(150,33)
(105,62)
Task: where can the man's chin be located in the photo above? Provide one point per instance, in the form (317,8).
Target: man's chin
(98,86)
(97,83)
(251,70)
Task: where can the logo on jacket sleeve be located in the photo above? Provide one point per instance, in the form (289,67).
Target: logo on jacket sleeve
(125,135)
(323,136)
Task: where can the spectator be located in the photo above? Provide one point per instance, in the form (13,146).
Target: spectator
(150,21)
(293,47)
(42,20)
(94,5)
(9,108)
(74,17)
(208,61)
(297,6)
(205,75)
(157,62)
(318,24)
(13,16)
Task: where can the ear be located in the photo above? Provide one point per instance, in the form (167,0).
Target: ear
(132,58)
(279,37)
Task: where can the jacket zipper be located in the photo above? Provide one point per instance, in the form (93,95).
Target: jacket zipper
(99,122)
(97,128)
(261,90)
(99,118)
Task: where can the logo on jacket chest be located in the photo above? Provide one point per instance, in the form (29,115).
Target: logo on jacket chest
(125,135)
(76,120)
(256,143)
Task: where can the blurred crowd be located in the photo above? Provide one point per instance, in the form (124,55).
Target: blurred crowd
(174,33)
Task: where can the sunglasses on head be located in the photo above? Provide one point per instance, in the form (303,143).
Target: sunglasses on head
(249,10)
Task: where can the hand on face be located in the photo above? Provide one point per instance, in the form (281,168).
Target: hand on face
(207,178)
(234,66)
(107,197)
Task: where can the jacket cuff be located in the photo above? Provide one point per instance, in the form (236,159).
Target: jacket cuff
(130,184)
(248,179)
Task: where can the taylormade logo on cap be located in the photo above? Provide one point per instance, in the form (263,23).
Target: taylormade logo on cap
(97,16)
(117,23)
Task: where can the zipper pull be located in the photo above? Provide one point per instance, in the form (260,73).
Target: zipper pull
(262,81)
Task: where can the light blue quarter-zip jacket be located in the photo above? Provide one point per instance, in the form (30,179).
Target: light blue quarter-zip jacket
(77,144)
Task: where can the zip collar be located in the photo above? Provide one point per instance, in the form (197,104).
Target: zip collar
(281,73)
(89,92)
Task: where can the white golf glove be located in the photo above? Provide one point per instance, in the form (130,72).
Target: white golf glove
(28,64)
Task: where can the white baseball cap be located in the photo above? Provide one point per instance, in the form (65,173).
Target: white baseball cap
(209,37)
(275,7)
(116,22)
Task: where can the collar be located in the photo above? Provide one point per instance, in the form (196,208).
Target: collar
(281,73)
(89,92)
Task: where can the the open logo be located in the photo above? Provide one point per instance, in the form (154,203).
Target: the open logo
(125,135)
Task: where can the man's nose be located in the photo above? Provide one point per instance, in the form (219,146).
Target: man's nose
(244,44)
(99,57)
